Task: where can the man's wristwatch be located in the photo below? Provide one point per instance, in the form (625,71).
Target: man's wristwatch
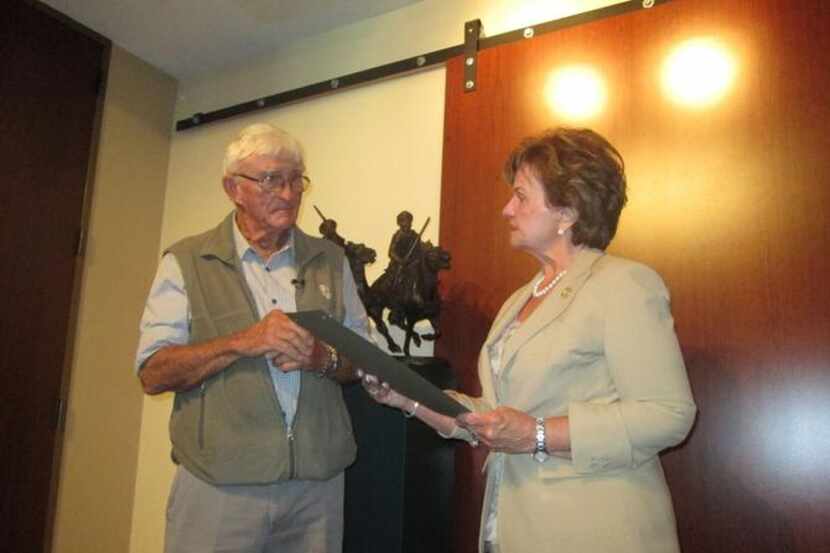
(332,364)
(540,454)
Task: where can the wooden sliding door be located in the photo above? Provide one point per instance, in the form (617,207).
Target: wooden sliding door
(51,83)
(729,201)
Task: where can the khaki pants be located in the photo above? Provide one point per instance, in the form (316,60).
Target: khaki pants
(295,516)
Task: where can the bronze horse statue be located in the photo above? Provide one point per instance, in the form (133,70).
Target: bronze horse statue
(411,296)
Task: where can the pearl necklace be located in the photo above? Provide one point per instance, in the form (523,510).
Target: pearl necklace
(538,293)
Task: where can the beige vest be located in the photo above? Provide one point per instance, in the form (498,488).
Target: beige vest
(230,430)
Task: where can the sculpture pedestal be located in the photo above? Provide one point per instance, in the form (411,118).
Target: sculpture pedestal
(399,491)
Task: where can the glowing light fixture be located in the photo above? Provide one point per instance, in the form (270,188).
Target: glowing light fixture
(699,72)
(576,92)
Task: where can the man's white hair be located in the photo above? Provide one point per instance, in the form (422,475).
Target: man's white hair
(264,140)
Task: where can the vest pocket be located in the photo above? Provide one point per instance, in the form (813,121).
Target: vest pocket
(189,428)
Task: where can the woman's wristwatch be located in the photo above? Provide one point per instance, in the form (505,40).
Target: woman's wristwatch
(540,454)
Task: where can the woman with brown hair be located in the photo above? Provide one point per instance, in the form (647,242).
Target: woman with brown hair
(582,379)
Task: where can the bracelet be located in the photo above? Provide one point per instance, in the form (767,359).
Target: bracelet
(410,414)
(332,364)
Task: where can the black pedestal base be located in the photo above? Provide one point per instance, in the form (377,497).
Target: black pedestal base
(399,491)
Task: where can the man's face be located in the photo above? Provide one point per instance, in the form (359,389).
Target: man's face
(272,212)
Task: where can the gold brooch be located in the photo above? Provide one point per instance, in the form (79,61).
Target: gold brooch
(567,292)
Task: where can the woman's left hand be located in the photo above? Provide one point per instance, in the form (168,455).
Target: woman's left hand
(503,429)
(381,392)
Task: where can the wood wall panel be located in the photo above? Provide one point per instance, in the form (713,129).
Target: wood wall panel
(731,204)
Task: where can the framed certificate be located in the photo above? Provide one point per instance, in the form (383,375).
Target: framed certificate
(376,362)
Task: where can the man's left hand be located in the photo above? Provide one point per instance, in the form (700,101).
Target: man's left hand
(315,361)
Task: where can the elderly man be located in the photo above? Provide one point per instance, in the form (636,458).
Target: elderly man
(259,429)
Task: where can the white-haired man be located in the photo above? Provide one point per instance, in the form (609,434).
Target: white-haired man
(259,429)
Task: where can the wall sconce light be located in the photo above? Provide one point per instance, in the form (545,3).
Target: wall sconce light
(576,92)
(698,73)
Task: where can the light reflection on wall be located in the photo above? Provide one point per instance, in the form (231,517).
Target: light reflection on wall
(508,15)
(576,92)
(698,73)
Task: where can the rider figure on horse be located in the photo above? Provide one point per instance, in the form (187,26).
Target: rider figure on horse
(405,248)
(328,228)
(405,252)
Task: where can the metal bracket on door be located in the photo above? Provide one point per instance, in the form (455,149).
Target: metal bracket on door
(60,414)
(472,34)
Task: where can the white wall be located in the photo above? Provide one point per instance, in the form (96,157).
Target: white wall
(372,152)
(416,29)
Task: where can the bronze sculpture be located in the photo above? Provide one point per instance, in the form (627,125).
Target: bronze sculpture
(358,255)
(408,287)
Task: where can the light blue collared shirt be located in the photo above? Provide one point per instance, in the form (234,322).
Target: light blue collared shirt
(166,318)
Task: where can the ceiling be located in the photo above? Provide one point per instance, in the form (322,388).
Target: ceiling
(188,38)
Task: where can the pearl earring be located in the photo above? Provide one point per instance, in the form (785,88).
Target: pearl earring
(560,232)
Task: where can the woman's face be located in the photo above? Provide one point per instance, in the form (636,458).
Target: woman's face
(533,223)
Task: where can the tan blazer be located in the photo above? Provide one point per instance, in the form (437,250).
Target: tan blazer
(601,350)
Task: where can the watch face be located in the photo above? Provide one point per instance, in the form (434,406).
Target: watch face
(540,454)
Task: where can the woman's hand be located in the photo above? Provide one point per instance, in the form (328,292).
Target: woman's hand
(503,429)
(382,393)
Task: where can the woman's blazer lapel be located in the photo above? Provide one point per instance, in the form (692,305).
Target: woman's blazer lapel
(552,307)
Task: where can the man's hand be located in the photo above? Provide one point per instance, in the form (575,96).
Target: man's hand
(288,345)
(317,361)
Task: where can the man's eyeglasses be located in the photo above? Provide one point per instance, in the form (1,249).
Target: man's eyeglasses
(277,182)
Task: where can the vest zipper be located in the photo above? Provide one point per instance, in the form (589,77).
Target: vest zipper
(202,416)
(292,460)
(290,436)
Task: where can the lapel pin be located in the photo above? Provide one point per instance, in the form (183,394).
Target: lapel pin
(325,291)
